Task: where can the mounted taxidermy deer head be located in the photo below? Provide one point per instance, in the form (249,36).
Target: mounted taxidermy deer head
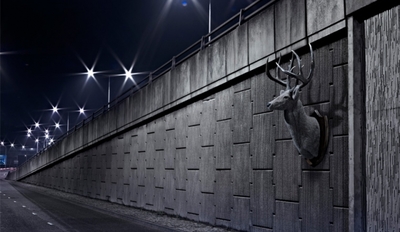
(309,133)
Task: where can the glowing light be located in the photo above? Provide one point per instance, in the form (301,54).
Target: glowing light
(81,110)
(46,131)
(128,74)
(57,125)
(90,73)
(12,144)
(55,109)
(184,3)
(51,140)
(37,140)
(29,135)
(23,147)
(2,143)
(36,124)
(46,136)
(29,131)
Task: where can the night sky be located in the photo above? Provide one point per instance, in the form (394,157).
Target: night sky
(46,44)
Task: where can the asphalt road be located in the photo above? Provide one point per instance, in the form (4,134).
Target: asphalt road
(26,210)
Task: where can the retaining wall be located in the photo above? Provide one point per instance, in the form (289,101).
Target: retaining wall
(200,143)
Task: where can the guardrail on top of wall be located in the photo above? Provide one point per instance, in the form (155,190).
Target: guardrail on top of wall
(235,21)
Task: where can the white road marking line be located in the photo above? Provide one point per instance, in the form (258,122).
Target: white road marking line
(34,213)
(50,223)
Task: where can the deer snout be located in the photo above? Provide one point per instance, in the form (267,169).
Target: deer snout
(269,105)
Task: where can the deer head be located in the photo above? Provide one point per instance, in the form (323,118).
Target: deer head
(288,98)
(307,131)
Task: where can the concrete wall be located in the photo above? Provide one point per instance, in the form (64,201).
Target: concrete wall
(200,143)
(382,48)
(225,159)
(243,50)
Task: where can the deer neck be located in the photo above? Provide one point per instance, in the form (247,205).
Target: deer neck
(296,116)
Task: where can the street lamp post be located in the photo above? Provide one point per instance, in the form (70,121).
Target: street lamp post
(128,75)
(37,145)
(81,111)
(209,20)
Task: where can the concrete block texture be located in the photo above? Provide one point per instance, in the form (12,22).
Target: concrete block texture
(317,90)
(223,145)
(207,170)
(286,212)
(237,49)
(193,148)
(217,60)
(240,213)
(223,192)
(321,14)
(180,81)
(224,104)
(262,198)
(354,5)
(287,171)
(262,91)
(241,169)
(316,208)
(193,188)
(261,35)
(242,117)
(262,141)
(207,123)
(199,70)
(340,172)
(289,30)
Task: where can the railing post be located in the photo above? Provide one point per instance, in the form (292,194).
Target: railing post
(173,63)
(202,44)
(150,77)
(241,17)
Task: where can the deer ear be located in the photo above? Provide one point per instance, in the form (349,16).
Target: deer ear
(295,93)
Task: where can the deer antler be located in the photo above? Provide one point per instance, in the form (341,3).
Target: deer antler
(277,78)
(300,76)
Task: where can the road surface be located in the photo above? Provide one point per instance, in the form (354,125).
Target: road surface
(22,209)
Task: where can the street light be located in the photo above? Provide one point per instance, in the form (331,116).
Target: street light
(209,19)
(55,109)
(81,110)
(128,76)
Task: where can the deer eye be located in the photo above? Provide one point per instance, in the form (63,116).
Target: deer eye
(285,97)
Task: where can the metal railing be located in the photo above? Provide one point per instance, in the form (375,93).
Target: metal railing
(235,21)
